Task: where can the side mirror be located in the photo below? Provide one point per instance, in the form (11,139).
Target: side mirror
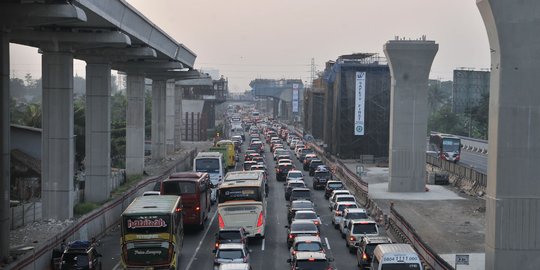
(289,260)
(214,251)
(286,226)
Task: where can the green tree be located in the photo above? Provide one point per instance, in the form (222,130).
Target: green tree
(79,106)
(480,116)
(444,120)
(118,130)
(31,116)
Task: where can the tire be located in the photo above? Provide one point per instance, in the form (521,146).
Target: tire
(336,226)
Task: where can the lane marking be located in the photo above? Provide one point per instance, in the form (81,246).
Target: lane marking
(116,266)
(200,242)
(262,247)
(327,243)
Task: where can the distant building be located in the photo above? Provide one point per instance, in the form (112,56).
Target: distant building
(469,87)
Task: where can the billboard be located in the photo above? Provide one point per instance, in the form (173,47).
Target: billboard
(295,98)
(359,103)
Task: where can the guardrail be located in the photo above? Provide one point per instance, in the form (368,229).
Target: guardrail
(94,224)
(474,145)
(408,234)
(477,178)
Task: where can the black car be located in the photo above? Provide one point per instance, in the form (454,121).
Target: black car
(331,186)
(282,171)
(313,166)
(231,235)
(307,161)
(290,185)
(320,177)
(304,153)
(80,255)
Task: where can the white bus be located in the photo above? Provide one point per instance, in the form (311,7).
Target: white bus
(242,203)
(213,164)
(395,257)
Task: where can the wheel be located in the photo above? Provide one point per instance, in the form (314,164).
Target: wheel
(343,235)
(336,226)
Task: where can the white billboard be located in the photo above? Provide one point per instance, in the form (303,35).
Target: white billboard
(359,103)
(295,98)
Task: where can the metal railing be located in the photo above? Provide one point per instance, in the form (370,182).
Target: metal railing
(458,169)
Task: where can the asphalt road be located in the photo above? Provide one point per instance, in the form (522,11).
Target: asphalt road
(269,253)
(475,160)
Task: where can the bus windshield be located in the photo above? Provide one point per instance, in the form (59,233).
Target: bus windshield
(239,193)
(451,145)
(178,188)
(209,165)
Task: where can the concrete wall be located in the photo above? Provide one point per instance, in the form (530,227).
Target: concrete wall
(26,139)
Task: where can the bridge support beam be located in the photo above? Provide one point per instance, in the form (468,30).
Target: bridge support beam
(178,97)
(169,117)
(135,124)
(57,160)
(513,191)
(159,95)
(98,132)
(4,146)
(410,63)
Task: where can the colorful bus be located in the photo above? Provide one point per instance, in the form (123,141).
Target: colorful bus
(447,147)
(152,233)
(231,157)
(195,189)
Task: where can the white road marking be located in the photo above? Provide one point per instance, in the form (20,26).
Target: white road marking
(116,266)
(200,242)
(262,247)
(327,243)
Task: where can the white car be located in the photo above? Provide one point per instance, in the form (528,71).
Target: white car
(230,253)
(336,193)
(306,244)
(351,214)
(359,228)
(295,175)
(337,212)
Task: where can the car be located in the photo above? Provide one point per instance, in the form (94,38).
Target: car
(358,228)
(307,215)
(290,185)
(311,261)
(313,165)
(337,212)
(293,143)
(282,170)
(331,186)
(81,255)
(300,194)
(295,175)
(259,160)
(235,266)
(283,161)
(259,167)
(308,158)
(280,151)
(230,253)
(344,198)
(248,164)
(304,153)
(335,193)
(351,214)
(320,177)
(364,252)
(250,154)
(230,235)
(300,228)
(283,157)
(307,244)
(298,205)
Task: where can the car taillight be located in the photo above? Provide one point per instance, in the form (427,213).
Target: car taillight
(316,222)
(260,220)
(338,213)
(216,245)
(220,221)
(294,252)
(352,238)
(245,259)
(197,208)
(291,236)
(364,256)
(90,264)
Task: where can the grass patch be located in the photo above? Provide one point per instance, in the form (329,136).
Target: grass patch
(131,181)
(84,208)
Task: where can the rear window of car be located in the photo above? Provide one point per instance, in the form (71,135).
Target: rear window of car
(309,215)
(300,193)
(343,206)
(345,199)
(315,163)
(75,259)
(335,185)
(301,204)
(356,216)
(303,227)
(230,235)
(368,228)
(309,246)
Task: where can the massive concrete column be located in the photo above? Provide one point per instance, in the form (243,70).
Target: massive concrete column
(513,191)
(178,96)
(57,136)
(135,124)
(158,118)
(98,132)
(4,145)
(170,116)
(410,63)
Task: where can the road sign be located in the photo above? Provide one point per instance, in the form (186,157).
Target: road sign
(462,260)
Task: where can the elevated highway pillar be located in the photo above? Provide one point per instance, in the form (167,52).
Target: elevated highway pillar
(513,189)
(98,131)
(4,145)
(410,63)
(159,114)
(169,116)
(135,124)
(178,97)
(58,150)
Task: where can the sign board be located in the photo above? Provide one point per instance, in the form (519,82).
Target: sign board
(359,103)
(462,259)
(295,99)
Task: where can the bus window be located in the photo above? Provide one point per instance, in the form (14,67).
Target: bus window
(207,165)
(178,188)
(241,193)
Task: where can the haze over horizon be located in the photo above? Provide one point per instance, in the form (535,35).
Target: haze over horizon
(276,39)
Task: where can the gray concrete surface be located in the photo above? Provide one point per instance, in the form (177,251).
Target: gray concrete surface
(410,63)
(4,144)
(135,124)
(98,132)
(169,116)
(159,96)
(513,192)
(58,151)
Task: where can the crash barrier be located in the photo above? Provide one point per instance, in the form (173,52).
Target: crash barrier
(474,145)
(403,230)
(95,223)
(477,178)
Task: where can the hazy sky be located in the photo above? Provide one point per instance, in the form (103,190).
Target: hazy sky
(248,39)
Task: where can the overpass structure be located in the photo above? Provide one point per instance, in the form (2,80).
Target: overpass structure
(107,34)
(287,96)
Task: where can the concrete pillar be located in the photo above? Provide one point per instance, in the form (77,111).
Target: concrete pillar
(158,118)
(57,136)
(410,63)
(98,132)
(178,96)
(276,108)
(513,191)
(135,124)
(4,146)
(169,116)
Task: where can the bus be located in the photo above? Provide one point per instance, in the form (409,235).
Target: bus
(231,158)
(152,233)
(395,257)
(195,189)
(213,164)
(446,146)
(242,203)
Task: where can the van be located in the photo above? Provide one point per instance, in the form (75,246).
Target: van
(213,164)
(396,257)
(231,158)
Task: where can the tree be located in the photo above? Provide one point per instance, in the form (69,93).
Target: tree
(480,116)
(79,121)
(444,120)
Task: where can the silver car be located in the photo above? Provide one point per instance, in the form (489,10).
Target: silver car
(230,253)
